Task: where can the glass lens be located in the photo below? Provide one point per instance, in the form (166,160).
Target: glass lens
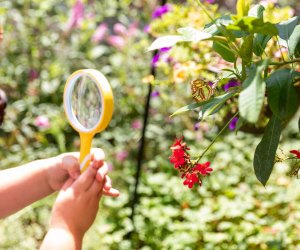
(86,102)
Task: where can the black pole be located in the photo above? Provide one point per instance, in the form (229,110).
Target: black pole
(135,197)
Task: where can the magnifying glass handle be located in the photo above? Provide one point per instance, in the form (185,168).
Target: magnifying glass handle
(85,147)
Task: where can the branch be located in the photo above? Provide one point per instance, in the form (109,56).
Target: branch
(285,62)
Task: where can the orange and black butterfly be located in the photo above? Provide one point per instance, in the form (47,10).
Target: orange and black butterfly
(202,90)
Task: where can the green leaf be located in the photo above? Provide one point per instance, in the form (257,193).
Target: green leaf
(213,28)
(193,35)
(299,124)
(260,42)
(257,11)
(285,30)
(242,7)
(294,41)
(194,106)
(165,41)
(282,96)
(246,50)
(188,34)
(224,51)
(264,156)
(214,105)
(254,25)
(252,96)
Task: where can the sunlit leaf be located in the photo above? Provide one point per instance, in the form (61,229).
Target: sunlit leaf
(254,25)
(224,51)
(165,41)
(252,96)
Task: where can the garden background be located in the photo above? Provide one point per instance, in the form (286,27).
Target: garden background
(44,42)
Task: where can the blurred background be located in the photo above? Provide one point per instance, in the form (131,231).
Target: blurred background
(44,42)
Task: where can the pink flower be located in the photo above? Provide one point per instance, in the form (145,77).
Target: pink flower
(42,122)
(77,14)
(121,155)
(120,29)
(132,29)
(116,41)
(100,33)
(136,124)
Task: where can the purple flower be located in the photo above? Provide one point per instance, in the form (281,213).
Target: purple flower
(230,84)
(197,126)
(161,10)
(155,59)
(121,155)
(100,33)
(77,13)
(165,49)
(42,122)
(147,28)
(233,123)
(155,93)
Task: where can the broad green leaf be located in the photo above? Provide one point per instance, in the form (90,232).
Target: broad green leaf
(214,105)
(165,41)
(251,97)
(254,25)
(213,28)
(224,51)
(285,30)
(259,44)
(194,106)
(264,156)
(282,96)
(242,7)
(246,50)
(257,11)
(294,41)
(192,35)
(187,35)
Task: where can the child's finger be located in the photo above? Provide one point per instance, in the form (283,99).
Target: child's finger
(107,184)
(86,179)
(111,192)
(67,184)
(97,157)
(102,172)
(71,164)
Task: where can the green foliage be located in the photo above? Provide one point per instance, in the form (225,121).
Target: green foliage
(264,156)
(282,95)
(248,40)
(252,96)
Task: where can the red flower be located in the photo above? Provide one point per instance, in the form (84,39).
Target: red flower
(179,156)
(296,153)
(191,179)
(204,168)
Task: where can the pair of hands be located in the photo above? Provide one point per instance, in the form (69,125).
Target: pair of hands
(77,203)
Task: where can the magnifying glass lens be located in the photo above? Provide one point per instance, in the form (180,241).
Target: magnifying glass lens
(86,102)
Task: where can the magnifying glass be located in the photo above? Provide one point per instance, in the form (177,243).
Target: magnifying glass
(88,104)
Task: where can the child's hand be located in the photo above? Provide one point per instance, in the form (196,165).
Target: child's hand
(67,166)
(77,204)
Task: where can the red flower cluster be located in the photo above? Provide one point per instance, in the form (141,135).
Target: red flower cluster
(192,172)
(296,153)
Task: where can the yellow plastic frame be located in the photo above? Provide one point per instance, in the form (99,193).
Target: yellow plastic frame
(86,135)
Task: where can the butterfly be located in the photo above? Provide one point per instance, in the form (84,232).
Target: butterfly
(202,90)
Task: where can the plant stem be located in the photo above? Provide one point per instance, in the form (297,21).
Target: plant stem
(214,140)
(285,62)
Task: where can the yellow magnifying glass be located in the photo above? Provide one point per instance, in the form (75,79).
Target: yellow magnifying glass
(88,104)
